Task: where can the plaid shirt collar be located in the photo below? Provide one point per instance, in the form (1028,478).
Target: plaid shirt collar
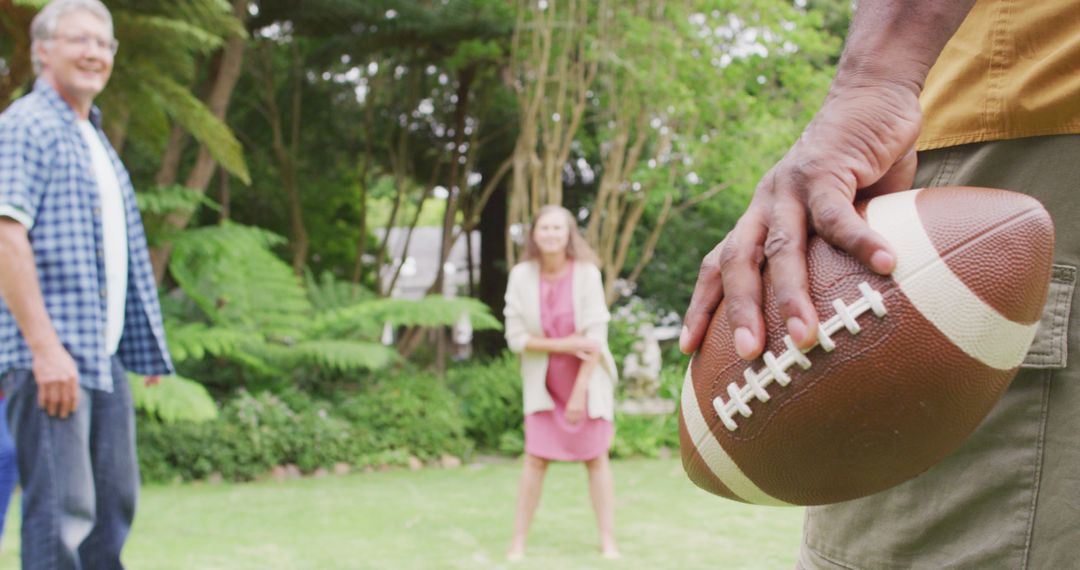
(57,103)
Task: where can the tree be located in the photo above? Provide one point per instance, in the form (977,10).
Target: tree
(628,103)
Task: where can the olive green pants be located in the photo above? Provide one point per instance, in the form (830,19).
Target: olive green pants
(1009,497)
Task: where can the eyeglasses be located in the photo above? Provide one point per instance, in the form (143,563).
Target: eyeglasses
(84,41)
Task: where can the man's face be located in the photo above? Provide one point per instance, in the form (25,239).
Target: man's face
(78,59)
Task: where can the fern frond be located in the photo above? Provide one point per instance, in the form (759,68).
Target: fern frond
(367,319)
(173,399)
(345,355)
(326,292)
(230,273)
(187,37)
(195,341)
(164,200)
(197,119)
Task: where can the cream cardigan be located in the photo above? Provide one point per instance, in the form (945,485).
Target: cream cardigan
(590,319)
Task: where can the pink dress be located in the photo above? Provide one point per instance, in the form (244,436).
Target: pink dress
(547,434)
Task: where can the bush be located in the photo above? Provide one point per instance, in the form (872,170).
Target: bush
(490,394)
(252,434)
(189,451)
(644,435)
(413,412)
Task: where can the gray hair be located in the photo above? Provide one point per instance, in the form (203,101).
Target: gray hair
(44,25)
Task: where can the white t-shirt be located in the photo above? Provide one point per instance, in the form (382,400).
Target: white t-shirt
(114,235)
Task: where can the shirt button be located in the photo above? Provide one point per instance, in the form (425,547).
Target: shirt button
(103,293)
(97,212)
(100,253)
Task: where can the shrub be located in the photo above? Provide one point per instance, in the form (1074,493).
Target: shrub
(414,412)
(490,394)
(644,435)
(190,451)
(252,434)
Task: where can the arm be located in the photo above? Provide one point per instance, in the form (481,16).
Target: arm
(518,338)
(53,369)
(573,344)
(860,143)
(575,405)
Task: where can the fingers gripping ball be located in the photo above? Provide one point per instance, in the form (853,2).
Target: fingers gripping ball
(905,366)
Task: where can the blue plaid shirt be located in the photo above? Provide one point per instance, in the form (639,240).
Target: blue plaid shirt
(47,179)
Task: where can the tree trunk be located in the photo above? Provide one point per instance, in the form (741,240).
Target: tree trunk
(493,268)
(15,22)
(221,90)
(456,188)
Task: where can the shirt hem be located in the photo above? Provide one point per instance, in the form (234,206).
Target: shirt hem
(980,137)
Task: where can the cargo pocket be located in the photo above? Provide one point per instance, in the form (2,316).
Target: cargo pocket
(1050,347)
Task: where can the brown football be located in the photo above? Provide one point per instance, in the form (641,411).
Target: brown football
(905,368)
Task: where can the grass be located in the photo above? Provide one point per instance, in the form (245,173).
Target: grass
(447,519)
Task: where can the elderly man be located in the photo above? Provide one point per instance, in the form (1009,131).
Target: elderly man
(79,302)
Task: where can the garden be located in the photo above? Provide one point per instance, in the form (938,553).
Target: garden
(334,192)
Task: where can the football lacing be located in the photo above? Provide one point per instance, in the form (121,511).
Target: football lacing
(775,368)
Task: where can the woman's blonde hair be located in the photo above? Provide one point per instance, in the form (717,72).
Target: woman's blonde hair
(576,247)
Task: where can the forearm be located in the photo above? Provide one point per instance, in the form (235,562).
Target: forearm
(585,372)
(545,344)
(898,41)
(20,288)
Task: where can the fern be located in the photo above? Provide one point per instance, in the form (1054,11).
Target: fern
(345,355)
(367,319)
(163,200)
(173,399)
(229,271)
(195,341)
(327,293)
(197,119)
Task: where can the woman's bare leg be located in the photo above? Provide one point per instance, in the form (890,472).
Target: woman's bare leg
(532,481)
(602,491)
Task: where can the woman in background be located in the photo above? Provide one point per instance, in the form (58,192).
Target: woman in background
(556,319)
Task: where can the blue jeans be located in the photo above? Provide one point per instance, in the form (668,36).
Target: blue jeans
(9,474)
(80,475)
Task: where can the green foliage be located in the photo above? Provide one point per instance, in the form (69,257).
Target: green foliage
(173,399)
(160,44)
(367,318)
(490,394)
(345,355)
(179,102)
(252,434)
(242,303)
(216,266)
(416,412)
(326,292)
(645,435)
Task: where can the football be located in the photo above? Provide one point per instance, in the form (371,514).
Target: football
(905,367)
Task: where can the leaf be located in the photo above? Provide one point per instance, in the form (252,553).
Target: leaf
(173,399)
(368,318)
(197,119)
(346,355)
(230,273)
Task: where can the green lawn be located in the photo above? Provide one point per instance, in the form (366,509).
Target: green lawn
(457,518)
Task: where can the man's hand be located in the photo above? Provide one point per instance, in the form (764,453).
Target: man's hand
(57,380)
(861,143)
(153,380)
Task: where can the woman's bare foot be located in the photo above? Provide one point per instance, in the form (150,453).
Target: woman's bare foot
(516,551)
(610,552)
